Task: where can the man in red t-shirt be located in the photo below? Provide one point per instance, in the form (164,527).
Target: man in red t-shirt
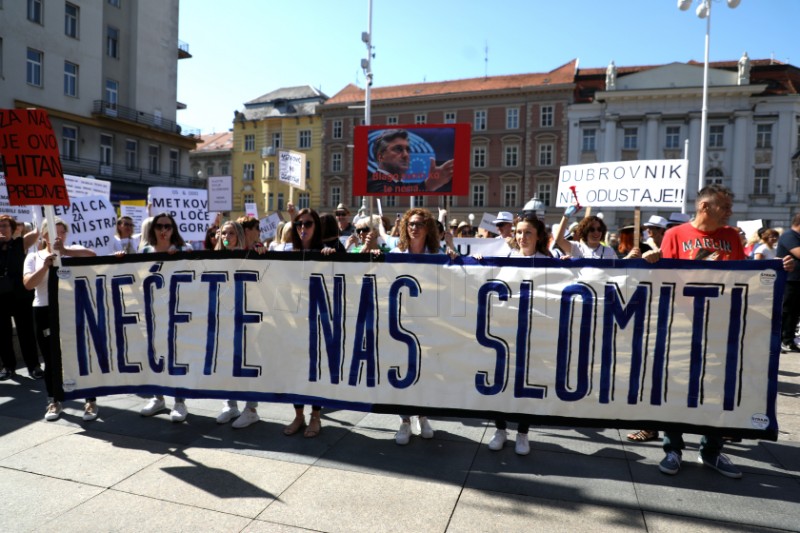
(709,238)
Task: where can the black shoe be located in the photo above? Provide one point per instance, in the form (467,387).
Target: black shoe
(6,374)
(786,348)
(36,373)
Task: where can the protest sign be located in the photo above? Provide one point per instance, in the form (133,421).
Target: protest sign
(268,226)
(189,208)
(84,186)
(652,183)
(292,168)
(137,213)
(579,343)
(487,223)
(91,221)
(251,209)
(29,152)
(21,213)
(220,193)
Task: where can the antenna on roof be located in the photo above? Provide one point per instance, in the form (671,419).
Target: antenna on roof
(486,60)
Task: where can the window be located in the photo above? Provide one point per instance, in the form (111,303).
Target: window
(337,129)
(270,169)
(336,195)
(630,139)
(419,201)
(249,143)
(716,136)
(33,73)
(545,193)
(131,154)
(304,200)
(546,119)
(276,140)
(512,118)
(114,3)
(153,157)
(304,139)
(210,170)
(392,119)
(248,198)
(336,162)
(35,11)
(764,136)
(112,93)
(71,20)
(248,172)
(479,156)
(106,153)
(270,202)
(223,169)
(70,79)
(761,181)
(420,118)
(308,168)
(545,155)
(390,201)
(174,163)
(589,141)
(450,117)
(112,42)
(510,195)
(479,195)
(69,143)
(511,158)
(714,177)
(673,137)
(479,123)
(280,201)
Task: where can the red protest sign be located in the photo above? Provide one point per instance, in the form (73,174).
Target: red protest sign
(29,152)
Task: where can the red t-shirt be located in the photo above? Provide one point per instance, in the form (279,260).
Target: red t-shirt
(687,242)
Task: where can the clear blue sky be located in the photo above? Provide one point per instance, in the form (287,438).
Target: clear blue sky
(245,48)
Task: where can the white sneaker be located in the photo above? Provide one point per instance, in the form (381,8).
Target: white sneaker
(53,411)
(229,412)
(153,406)
(522,447)
(90,411)
(179,412)
(416,429)
(247,418)
(426,431)
(499,440)
(403,434)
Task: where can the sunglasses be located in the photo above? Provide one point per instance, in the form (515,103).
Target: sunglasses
(163,226)
(595,229)
(416,224)
(304,224)
(341,214)
(501,224)
(362,230)
(126,224)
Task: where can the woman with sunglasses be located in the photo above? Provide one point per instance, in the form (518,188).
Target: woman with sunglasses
(370,236)
(232,237)
(592,230)
(307,237)
(163,236)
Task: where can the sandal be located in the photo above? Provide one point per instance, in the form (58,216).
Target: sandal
(314,427)
(643,435)
(297,424)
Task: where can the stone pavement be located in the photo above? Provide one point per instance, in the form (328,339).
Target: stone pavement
(123,472)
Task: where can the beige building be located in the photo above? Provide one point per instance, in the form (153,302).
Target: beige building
(213,155)
(106,73)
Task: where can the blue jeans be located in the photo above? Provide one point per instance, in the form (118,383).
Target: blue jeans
(710,445)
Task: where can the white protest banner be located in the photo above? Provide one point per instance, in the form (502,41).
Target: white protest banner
(652,183)
(490,247)
(20,213)
(137,213)
(251,209)
(292,168)
(189,208)
(85,186)
(220,193)
(91,221)
(690,345)
(268,226)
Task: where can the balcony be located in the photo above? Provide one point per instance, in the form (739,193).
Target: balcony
(116,111)
(121,173)
(183,50)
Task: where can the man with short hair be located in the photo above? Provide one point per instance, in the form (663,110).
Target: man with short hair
(789,247)
(252,233)
(343,219)
(709,238)
(393,155)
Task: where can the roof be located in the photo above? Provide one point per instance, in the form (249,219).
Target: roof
(561,75)
(287,101)
(215,142)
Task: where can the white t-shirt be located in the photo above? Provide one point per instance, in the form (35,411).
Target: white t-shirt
(581,250)
(33,262)
(129,245)
(765,250)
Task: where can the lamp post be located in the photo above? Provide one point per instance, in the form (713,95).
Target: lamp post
(704,12)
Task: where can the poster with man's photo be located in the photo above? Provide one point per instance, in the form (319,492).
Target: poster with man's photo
(411,160)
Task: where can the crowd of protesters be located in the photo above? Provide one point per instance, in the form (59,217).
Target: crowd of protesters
(28,254)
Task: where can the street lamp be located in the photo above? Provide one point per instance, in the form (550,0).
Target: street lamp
(704,12)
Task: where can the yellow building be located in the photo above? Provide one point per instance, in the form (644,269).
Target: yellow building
(284,119)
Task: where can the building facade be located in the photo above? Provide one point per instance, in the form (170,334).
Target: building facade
(284,119)
(518,143)
(752,138)
(106,73)
(213,155)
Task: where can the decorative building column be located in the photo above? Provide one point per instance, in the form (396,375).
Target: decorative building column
(610,138)
(651,143)
(740,172)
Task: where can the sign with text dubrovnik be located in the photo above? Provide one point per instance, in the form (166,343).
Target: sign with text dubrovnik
(651,183)
(29,152)
(690,345)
